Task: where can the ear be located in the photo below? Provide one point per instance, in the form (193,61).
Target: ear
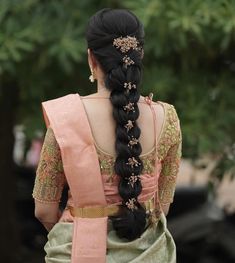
(91,59)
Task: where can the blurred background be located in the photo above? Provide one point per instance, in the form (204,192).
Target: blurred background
(189,62)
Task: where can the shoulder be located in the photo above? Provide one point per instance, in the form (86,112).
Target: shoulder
(170,111)
(171,131)
(60,108)
(61,99)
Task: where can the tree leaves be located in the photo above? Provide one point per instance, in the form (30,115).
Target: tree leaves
(187,46)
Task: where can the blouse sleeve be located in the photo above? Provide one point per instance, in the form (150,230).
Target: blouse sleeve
(171,161)
(50,178)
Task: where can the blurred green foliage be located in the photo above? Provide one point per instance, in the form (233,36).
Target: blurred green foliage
(189,60)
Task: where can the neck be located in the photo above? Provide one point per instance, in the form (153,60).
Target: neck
(102,90)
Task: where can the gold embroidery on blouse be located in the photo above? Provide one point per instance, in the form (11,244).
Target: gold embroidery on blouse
(50,178)
(149,162)
(169,152)
(170,133)
(107,163)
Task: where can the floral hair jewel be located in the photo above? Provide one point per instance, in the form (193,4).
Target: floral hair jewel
(129,125)
(132,179)
(132,142)
(129,86)
(126,43)
(129,107)
(131,203)
(133,162)
(127,61)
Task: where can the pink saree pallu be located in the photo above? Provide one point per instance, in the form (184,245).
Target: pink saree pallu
(88,239)
(67,117)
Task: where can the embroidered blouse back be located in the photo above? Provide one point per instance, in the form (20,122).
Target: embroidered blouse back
(160,170)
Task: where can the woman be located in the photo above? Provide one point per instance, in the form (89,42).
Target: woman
(117,151)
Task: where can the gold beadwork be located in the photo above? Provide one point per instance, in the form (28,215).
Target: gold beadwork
(129,107)
(129,125)
(132,179)
(126,43)
(129,86)
(127,61)
(133,162)
(132,142)
(131,203)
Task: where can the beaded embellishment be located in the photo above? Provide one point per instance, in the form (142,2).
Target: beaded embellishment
(127,61)
(132,162)
(132,179)
(129,86)
(126,43)
(129,125)
(132,142)
(131,203)
(129,107)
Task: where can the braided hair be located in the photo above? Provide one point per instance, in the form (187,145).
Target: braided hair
(116,38)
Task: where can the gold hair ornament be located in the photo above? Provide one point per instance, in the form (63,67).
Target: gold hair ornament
(129,86)
(133,162)
(127,61)
(126,43)
(131,204)
(132,179)
(132,142)
(129,125)
(129,107)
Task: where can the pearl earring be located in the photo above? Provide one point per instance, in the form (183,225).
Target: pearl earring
(91,78)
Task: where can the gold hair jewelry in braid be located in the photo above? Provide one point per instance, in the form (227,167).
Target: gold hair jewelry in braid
(129,125)
(129,107)
(133,162)
(131,203)
(132,142)
(132,179)
(127,61)
(129,86)
(126,43)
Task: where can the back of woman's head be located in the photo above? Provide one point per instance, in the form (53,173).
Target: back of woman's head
(116,38)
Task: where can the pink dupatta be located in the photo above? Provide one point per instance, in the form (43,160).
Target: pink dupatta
(66,116)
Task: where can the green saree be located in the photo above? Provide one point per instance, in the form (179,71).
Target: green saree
(156,245)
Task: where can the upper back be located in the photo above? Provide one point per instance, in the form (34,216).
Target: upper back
(99,113)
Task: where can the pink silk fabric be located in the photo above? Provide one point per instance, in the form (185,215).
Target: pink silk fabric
(67,117)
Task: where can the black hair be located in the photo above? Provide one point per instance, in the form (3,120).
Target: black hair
(103,27)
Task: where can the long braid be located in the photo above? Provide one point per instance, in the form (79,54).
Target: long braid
(122,65)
